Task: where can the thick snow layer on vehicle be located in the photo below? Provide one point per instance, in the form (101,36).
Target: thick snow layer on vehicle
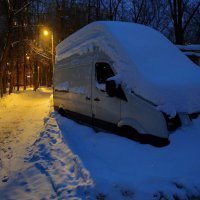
(65,87)
(145,62)
(62,86)
(189,53)
(191,47)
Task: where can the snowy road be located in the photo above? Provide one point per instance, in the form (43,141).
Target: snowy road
(46,156)
(35,162)
(21,117)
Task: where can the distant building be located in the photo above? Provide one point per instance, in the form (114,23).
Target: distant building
(191,51)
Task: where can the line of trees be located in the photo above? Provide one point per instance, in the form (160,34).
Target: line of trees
(25,56)
(23,61)
(179,20)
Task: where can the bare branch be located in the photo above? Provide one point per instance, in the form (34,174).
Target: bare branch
(191,16)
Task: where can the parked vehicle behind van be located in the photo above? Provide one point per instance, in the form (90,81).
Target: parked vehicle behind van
(117,75)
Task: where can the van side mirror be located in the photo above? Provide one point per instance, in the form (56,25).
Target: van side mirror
(111,88)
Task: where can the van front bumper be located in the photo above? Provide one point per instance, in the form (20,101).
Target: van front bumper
(181,119)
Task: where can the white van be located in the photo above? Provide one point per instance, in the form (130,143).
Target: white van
(123,75)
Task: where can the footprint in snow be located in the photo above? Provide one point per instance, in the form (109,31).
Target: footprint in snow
(1,165)
(52,125)
(4,150)
(52,130)
(9,155)
(5,179)
(7,152)
(20,129)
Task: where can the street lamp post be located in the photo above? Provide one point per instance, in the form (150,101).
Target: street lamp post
(46,33)
(52,53)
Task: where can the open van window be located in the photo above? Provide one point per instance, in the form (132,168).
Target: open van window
(103,71)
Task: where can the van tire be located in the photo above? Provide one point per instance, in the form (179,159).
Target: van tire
(129,132)
(55,108)
(154,140)
(61,111)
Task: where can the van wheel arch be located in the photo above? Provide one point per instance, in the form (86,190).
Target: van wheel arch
(61,111)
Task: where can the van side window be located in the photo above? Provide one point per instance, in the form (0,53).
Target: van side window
(103,71)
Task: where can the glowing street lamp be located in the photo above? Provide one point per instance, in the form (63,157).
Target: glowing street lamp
(46,32)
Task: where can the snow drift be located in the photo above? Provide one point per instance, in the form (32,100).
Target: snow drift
(145,62)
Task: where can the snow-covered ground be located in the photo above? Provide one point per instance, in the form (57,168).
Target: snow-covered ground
(46,156)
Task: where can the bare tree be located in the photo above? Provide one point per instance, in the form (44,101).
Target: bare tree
(182,13)
(112,7)
(6,47)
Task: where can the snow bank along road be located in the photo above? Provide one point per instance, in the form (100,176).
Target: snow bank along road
(45,156)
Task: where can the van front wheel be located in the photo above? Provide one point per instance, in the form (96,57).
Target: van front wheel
(61,111)
(129,132)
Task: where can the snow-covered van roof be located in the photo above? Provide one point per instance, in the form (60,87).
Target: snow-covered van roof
(145,61)
(189,47)
(190,50)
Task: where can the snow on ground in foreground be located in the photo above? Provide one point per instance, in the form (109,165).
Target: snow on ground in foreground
(56,158)
(122,168)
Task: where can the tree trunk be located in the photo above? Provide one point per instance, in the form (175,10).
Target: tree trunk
(4,82)
(11,72)
(17,73)
(25,66)
(89,11)
(3,60)
(177,14)
(6,47)
(35,74)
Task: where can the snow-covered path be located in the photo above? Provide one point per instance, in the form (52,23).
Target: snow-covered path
(21,118)
(35,163)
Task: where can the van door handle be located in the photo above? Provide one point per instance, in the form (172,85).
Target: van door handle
(96,99)
(87,98)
